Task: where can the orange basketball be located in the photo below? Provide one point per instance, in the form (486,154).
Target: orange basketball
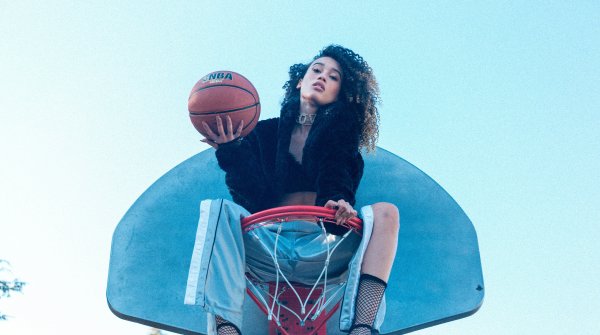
(224,93)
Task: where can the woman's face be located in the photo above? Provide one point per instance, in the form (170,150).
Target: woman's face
(322,82)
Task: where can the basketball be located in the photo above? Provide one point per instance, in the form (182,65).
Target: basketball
(224,93)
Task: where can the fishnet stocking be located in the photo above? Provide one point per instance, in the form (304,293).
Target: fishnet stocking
(370,293)
(225,327)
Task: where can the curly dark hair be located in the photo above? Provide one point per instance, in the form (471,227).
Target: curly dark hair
(359,90)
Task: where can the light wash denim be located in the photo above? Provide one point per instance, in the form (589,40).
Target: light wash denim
(222,255)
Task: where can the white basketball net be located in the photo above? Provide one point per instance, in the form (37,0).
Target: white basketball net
(329,293)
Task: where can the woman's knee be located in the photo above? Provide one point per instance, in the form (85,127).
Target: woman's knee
(386,216)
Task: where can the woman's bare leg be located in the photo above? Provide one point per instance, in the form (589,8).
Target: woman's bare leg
(381,251)
(376,267)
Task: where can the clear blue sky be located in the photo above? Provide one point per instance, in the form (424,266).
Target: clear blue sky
(498,101)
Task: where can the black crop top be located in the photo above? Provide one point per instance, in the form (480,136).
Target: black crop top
(296,179)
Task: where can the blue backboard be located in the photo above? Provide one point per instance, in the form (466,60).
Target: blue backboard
(436,276)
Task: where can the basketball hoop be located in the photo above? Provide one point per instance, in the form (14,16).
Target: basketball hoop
(283,300)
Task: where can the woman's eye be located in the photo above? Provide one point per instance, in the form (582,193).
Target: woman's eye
(316,70)
(334,78)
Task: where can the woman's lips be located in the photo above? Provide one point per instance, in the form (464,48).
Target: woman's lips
(319,86)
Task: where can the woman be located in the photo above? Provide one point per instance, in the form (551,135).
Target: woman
(311,156)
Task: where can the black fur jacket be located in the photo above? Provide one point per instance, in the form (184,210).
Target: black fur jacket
(257,164)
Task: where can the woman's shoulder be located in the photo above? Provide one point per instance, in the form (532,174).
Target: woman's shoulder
(264,133)
(267,125)
(341,125)
(340,115)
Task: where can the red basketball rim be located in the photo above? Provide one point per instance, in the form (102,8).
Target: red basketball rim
(299,212)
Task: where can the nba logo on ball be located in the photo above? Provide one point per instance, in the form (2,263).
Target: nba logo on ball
(217,77)
(224,93)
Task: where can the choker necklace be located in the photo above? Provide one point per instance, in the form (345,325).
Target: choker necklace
(305,119)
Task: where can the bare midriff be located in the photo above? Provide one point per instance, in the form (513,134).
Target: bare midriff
(298,198)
